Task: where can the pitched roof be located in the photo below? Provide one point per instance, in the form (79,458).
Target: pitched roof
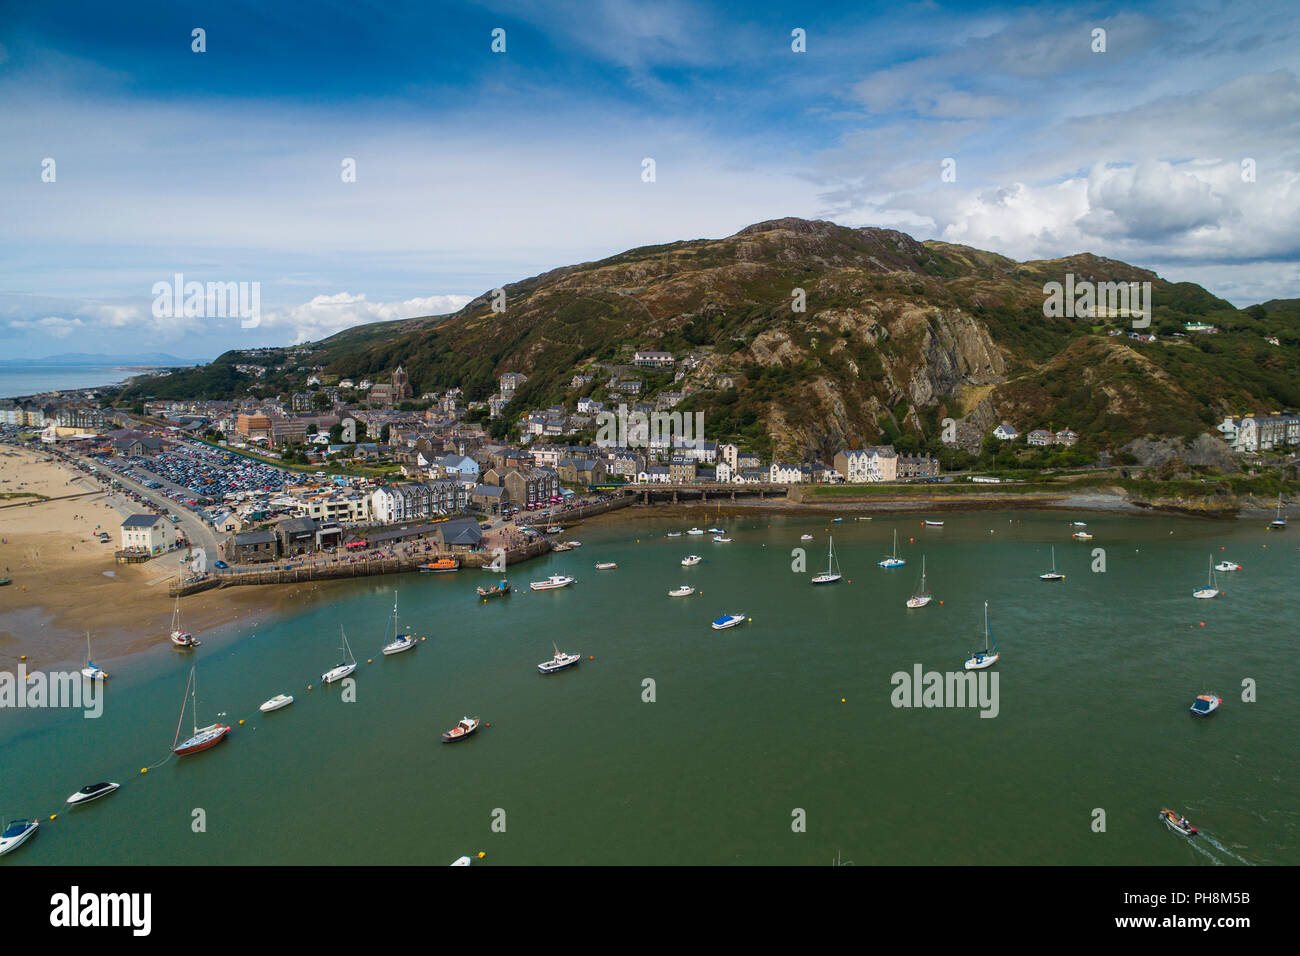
(141,521)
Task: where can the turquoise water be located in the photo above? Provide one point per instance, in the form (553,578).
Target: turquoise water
(1095,680)
(34,379)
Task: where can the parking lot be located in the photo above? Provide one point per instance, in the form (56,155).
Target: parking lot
(194,475)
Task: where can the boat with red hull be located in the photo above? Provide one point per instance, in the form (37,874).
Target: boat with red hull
(202,738)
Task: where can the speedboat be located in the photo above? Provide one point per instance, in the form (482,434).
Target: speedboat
(1175,821)
(833,520)
(1079,524)
(554,581)
(462,730)
(1081,536)
(92,792)
(690,560)
(1227,566)
(805,537)
(720,539)
(717,530)
(695,531)
(933,524)
(275,703)
(1205,704)
(684,591)
(460,861)
(574,544)
(16,834)
(606,566)
(728,620)
(559,662)
(673,534)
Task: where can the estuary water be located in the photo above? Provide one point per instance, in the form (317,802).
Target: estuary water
(776,742)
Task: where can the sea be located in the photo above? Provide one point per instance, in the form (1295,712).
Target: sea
(16,381)
(780,741)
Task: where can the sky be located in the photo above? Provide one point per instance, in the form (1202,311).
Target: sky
(127,157)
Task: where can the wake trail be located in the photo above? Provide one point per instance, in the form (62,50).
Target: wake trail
(1215,843)
(1191,841)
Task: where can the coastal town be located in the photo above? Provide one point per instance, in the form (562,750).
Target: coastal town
(342,472)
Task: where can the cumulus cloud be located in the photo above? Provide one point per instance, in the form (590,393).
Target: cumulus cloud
(55,326)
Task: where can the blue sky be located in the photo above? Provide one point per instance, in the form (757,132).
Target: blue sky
(477,168)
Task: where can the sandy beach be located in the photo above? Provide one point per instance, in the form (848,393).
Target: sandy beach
(65,583)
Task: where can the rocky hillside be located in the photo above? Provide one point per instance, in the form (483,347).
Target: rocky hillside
(894,336)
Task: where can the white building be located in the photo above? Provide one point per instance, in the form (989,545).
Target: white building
(152,533)
(1006,433)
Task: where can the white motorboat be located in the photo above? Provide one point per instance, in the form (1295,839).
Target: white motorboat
(673,534)
(559,662)
(691,560)
(1079,524)
(720,539)
(1211,589)
(832,573)
(695,531)
(460,861)
(717,531)
(1052,575)
(606,566)
(92,792)
(554,581)
(989,656)
(16,834)
(932,524)
(684,591)
(400,642)
(922,596)
(1227,566)
(574,544)
(1081,536)
(343,669)
(463,729)
(90,671)
(728,620)
(893,561)
(805,537)
(275,703)
(554,529)
(1205,704)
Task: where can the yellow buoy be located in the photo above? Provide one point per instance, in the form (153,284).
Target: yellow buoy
(144,769)
(241,721)
(54,816)
(481,854)
(842,700)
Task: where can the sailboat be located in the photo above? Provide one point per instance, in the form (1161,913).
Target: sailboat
(203,738)
(1211,589)
(400,642)
(922,596)
(90,671)
(989,656)
(180,637)
(893,561)
(832,573)
(1052,575)
(342,670)
(1278,523)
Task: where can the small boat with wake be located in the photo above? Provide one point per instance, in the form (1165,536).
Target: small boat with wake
(1177,822)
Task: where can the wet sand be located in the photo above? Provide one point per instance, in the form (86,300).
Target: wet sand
(65,583)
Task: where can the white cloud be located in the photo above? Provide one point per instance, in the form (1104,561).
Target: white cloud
(54,326)
(326,314)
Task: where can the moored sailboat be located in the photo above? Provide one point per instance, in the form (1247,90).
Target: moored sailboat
(1052,575)
(893,561)
(832,573)
(400,642)
(202,738)
(343,669)
(179,636)
(922,596)
(91,671)
(989,656)
(1279,522)
(1211,589)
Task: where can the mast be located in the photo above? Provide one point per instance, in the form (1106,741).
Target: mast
(922,574)
(194,702)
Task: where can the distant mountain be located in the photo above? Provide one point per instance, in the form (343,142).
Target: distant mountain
(159,359)
(895,337)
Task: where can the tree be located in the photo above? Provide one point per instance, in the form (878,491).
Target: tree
(320,401)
